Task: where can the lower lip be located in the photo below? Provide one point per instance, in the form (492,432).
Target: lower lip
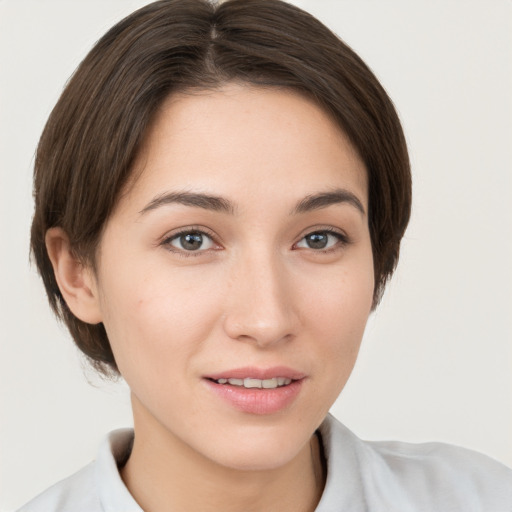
(256,400)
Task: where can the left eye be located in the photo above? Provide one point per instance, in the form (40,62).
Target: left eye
(319,240)
(191,241)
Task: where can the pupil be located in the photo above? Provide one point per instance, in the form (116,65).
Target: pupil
(191,241)
(317,240)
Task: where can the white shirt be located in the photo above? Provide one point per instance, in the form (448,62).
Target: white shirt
(361,476)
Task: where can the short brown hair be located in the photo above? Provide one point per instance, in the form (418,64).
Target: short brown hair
(93,134)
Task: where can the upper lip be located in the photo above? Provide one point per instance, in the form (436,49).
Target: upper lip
(258,373)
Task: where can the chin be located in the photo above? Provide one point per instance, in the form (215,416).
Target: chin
(259,450)
(256,460)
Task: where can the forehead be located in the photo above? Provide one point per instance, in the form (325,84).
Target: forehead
(243,140)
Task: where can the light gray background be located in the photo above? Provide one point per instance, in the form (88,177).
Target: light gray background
(436,363)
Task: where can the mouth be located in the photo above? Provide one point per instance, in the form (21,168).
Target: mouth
(252,383)
(257,391)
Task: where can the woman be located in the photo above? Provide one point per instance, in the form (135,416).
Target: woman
(220,197)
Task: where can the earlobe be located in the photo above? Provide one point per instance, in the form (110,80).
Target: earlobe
(76,281)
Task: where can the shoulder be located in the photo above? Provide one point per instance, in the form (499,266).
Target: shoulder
(96,487)
(442,474)
(421,477)
(77,493)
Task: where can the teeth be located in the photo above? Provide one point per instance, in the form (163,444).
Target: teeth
(257,383)
(269,383)
(252,383)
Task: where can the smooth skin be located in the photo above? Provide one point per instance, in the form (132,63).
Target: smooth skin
(261,275)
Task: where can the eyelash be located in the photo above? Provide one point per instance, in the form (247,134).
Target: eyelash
(166,242)
(342,238)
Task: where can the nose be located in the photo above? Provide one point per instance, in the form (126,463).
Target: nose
(260,305)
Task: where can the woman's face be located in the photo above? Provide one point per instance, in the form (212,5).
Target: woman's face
(235,277)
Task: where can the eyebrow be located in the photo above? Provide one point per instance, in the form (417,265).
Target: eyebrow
(223,205)
(325,199)
(205,201)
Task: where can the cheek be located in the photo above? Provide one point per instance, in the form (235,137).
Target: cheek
(153,321)
(339,305)
(340,300)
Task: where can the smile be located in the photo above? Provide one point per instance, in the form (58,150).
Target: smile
(254,390)
(249,382)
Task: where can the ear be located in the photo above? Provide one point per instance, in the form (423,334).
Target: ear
(76,282)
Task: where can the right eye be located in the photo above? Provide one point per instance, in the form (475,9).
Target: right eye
(190,241)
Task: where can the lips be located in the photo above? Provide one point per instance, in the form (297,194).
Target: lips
(258,373)
(250,382)
(256,390)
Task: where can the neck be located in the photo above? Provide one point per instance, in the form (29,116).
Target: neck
(164,474)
